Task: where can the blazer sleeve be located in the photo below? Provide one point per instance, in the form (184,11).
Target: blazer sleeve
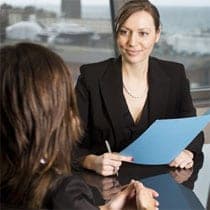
(187,110)
(83,102)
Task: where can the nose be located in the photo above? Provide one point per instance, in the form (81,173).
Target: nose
(133,39)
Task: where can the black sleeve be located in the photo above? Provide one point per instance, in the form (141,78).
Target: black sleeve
(72,193)
(188,110)
(83,102)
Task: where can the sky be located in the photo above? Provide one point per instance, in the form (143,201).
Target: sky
(106,2)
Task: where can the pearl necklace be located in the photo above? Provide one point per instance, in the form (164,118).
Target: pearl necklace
(134,96)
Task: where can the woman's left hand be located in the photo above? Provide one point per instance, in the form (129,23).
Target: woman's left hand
(183,160)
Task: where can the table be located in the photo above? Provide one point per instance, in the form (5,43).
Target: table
(181,189)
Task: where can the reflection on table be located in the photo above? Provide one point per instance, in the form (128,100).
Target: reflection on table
(175,186)
(178,188)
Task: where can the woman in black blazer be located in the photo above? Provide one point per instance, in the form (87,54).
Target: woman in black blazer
(119,98)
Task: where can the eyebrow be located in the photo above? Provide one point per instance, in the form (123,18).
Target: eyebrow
(139,29)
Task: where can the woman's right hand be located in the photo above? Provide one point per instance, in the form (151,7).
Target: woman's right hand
(134,196)
(107,164)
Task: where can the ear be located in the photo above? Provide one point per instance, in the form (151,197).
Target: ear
(158,35)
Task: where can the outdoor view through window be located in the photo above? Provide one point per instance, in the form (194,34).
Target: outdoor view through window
(81,32)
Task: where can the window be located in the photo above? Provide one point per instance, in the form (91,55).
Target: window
(81,32)
(186,39)
(78,30)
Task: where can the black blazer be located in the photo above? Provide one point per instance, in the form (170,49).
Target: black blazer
(99,93)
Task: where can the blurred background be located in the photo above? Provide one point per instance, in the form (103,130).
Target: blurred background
(81,31)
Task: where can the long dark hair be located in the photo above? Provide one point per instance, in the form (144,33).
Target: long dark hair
(38,121)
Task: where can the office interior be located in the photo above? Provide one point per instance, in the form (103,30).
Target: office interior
(81,31)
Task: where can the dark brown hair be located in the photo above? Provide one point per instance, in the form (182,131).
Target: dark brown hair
(133,6)
(39,121)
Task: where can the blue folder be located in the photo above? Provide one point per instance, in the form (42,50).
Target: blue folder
(172,195)
(165,139)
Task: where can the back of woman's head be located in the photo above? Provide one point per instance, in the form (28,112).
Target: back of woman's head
(39,118)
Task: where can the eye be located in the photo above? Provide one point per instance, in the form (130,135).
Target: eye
(143,33)
(123,32)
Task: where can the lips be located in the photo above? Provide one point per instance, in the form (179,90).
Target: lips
(132,52)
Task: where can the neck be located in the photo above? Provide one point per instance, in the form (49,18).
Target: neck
(135,71)
(134,74)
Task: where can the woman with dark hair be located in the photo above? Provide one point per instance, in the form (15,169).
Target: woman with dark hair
(119,98)
(39,126)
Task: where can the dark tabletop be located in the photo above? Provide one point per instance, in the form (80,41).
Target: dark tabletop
(175,186)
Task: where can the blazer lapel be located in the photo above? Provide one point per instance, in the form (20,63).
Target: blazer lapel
(111,91)
(159,86)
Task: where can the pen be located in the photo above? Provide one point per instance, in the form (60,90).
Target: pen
(109,150)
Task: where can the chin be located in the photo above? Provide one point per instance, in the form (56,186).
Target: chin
(135,60)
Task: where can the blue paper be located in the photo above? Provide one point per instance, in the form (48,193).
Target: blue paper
(165,139)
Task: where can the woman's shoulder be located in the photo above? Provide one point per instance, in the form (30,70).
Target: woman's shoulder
(167,66)
(71,192)
(166,62)
(97,68)
(91,73)
(72,183)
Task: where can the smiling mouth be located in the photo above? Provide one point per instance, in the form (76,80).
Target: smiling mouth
(133,52)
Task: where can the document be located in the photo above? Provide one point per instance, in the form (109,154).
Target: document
(171,194)
(165,139)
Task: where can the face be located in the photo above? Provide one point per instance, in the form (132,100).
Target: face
(136,37)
